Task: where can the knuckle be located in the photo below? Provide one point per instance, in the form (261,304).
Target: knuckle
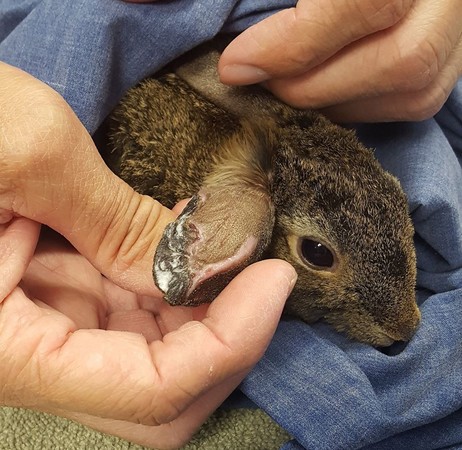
(416,69)
(300,55)
(394,10)
(307,48)
(129,227)
(380,14)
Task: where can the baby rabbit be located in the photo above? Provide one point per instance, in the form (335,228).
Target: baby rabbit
(267,180)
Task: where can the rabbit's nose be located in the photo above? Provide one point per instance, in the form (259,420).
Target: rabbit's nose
(407,325)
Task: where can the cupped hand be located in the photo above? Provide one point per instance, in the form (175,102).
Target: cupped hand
(105,349)
(76,345)
(361,60)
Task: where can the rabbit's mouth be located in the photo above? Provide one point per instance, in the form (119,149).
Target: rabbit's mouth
(384,340)
(363,327)
(405,329)
(381,338)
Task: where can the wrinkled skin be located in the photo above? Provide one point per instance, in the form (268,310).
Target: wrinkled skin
(106,350)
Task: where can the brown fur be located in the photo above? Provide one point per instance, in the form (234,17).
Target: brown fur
(170,140)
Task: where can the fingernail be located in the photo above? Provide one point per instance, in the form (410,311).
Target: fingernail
(242,74)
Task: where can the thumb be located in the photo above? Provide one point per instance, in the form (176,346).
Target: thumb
(297,39)
(53,174)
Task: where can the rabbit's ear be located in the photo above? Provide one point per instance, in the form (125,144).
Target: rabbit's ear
(224,228)
(199,70)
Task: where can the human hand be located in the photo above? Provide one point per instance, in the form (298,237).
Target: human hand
(63,350)
(52,173)
(362,60)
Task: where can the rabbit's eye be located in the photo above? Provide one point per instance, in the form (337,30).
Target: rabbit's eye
(316,254)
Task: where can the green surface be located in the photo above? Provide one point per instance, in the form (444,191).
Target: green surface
(239,429)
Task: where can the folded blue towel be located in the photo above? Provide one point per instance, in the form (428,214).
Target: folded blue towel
(326,391)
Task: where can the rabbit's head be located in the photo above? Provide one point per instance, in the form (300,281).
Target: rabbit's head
(343,222)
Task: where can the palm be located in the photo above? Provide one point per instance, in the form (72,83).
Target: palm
(62,279)
(64,345)
(66,328)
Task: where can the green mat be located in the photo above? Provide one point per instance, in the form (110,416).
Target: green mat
(237,429)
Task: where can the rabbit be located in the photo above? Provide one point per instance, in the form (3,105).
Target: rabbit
(267,180)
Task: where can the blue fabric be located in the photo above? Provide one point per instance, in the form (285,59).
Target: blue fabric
(328,392)
(346,395)
(92,51)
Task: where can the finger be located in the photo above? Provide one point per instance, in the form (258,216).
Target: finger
(295,40)
(18,239)
(382,64)
(127,379)
(64,280)
(410,106)
(52,173)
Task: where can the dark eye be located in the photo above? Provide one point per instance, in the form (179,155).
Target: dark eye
(316,254)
